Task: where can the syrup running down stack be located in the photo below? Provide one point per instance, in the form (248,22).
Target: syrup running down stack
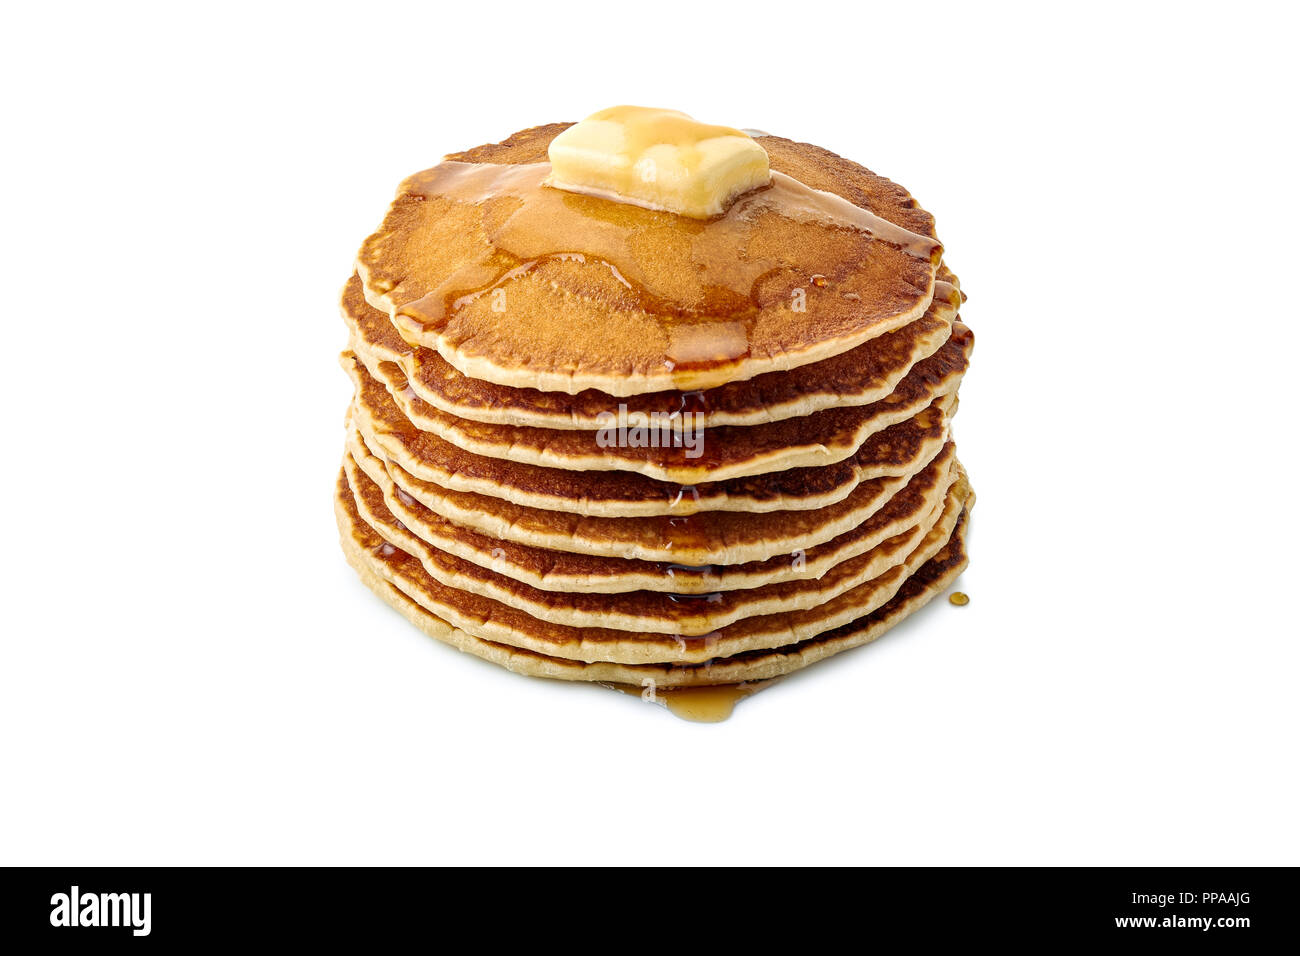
(596,441)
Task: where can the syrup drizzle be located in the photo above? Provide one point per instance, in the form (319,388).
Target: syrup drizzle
(707,311)
(690,571)
(688,599)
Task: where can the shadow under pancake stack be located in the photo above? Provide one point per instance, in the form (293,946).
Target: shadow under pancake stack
(597,442)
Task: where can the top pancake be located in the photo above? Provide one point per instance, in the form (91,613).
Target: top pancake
(526,286)
(859,376)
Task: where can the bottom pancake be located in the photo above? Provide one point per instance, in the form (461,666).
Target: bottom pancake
(365,551)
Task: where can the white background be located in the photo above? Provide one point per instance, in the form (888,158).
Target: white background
(191,674)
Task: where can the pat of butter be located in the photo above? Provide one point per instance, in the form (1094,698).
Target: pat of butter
(660,159)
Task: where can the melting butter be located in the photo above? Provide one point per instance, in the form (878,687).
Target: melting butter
(659,159)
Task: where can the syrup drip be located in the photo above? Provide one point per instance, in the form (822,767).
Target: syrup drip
(690,570)
(692,403)
(705,705)
(706,311)
(714,598)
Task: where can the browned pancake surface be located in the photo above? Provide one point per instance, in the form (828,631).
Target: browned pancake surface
(899,449)
(541,288)
(714,454)
(545,567)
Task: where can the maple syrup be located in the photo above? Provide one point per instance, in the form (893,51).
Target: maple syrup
(708,318)
(704,705)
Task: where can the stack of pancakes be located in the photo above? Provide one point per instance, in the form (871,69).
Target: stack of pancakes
(596,442)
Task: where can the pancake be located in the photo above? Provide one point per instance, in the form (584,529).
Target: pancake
(716,454)
(898,450)
(600,442)
(552,570)
(754,649)
(526,286)
(717,537)
(860,376)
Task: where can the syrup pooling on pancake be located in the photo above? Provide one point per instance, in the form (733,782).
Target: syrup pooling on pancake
(528,222)
(524,285)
